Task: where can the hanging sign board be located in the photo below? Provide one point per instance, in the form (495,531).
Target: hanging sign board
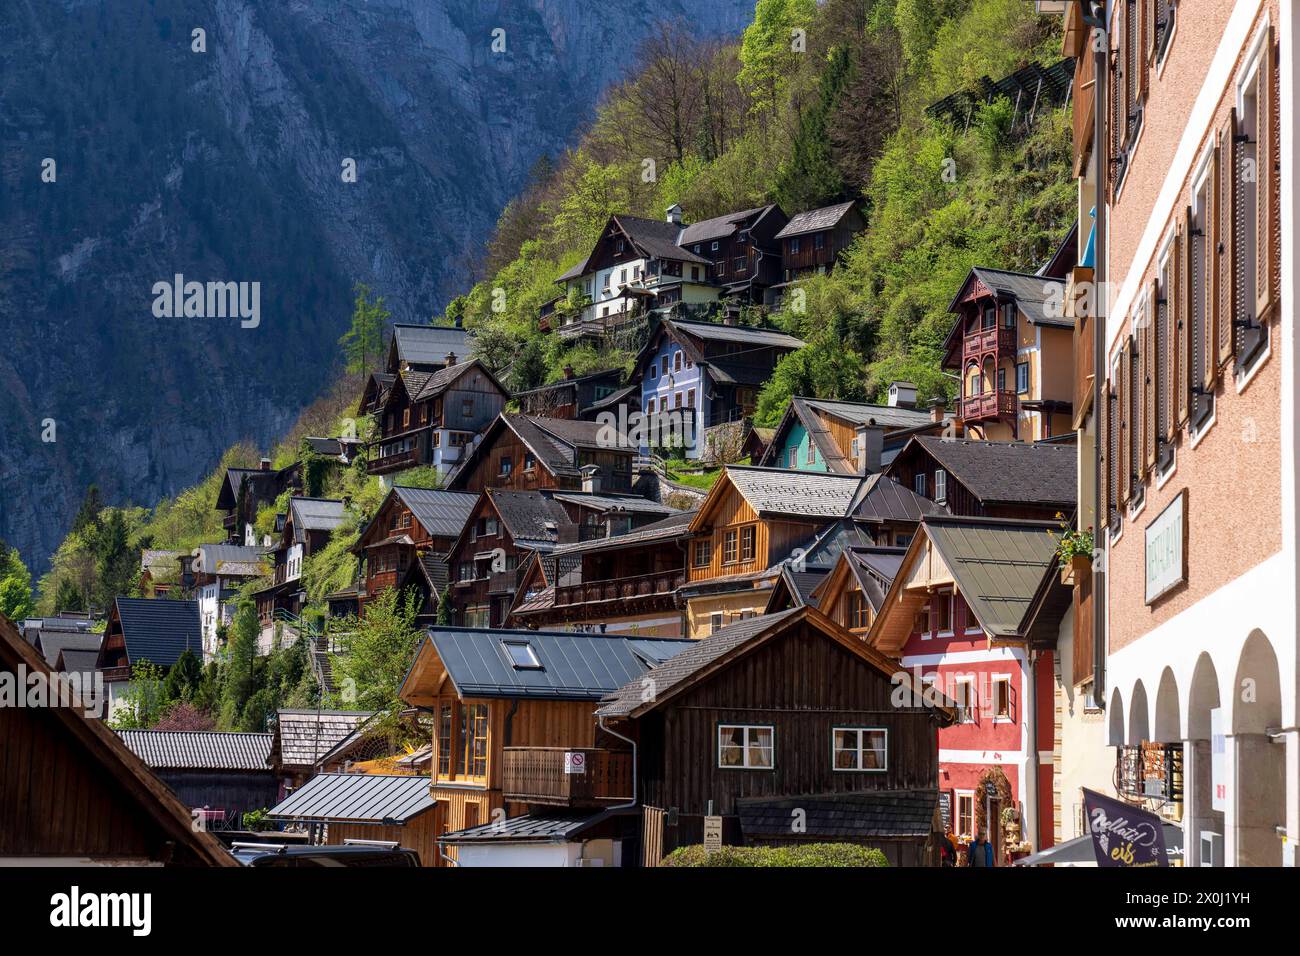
(1166,549)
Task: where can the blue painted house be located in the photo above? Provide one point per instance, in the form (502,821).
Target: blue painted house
(848,438)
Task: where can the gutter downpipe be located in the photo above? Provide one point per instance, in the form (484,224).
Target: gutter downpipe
(600,722)
(1101,53)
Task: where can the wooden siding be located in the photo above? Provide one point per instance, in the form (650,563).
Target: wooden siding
(419,834)
(772,539)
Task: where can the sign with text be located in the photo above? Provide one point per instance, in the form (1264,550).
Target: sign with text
(945,809)
(1123,835)
(1166,549)
(575,761)
(712,834)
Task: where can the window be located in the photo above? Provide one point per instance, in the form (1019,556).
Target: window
(819,240)
(522,656)
(677,361)
(1009,315)
(703,552)
(1022,377)
(940,485)
(964,695)
(747,543)
(444,740)
(794,457)
(467,407)
(476,615)
(729,546)
(622,277)
(1002,380)
(1002,698)
(473,728)
(918,485)
(663,364)
(650,407)
(811,456)
(465,571)
(530,461)
(690,398)
(965,815)
(860,748)
(713,247)
(506,466)
(941,613)
(715,622)
(794,244)
(677,400)
(406,417)
(745,747)
(859,616)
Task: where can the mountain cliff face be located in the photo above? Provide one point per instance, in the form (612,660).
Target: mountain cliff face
(128,157)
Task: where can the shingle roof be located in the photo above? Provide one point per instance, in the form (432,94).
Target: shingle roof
(76,662)
(553,440)
(744,334)
(862,413)
(629,696)
(199,750)
(887,813)
(155,560)
(881,498)
(429,345)
(302,737)
(528,828)
(1034,294)
(574,666)
(435,383)
(441,513)
(815,220)
(317,514)
(52,642)
(530,516)
(802,493)
(657,238)
(1011,472)
(614,503)
(671,527)
(159,630)
(325,446)
(716,228)
(235,560)
(357,797)
(998,565)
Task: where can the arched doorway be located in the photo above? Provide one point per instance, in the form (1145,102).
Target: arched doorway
(1199,815)
(1257,711)
(992,796)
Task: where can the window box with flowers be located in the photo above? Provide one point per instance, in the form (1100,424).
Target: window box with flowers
(1073,551)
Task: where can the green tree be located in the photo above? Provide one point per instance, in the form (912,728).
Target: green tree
(771,48)
(183,678)
(364,341)
(143,702)
(810,177)
(68,597)
(88,514)
(116,565)
(240,679)
(15,586)
(379,653)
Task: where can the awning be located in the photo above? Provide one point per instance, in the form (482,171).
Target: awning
(1079,850)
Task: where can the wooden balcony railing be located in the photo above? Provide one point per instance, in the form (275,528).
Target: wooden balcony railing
(383,463)
(620,589)
(1001,341)
(566,776)
(503,582)
(989,406)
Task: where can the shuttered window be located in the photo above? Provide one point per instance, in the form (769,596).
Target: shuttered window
(1136,460)
(1160,308)
(1200,401)
(1150,385)
(1181,317)
(1110,448)
(1124,419)
(1227,286)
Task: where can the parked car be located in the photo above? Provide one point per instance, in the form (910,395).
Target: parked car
(359,853)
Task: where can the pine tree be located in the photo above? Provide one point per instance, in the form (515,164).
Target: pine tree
(88,514)
(15,586)
(363,342)
(810,178)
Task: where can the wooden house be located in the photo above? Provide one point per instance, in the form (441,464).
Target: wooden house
(854,590)
(307,528)
(160,571)
(811,242)
(990,479)
(411,525)
(847,438)
(213,575)
(742,249)
(73,794)
(706,375)
(301,739)
(752,520)
(424,348)
(245,491)
(621,584)
(432,417)
(577,396)
(219,776)
(529,453)
(783,712)
(515,730)
(141,629)
(974,611)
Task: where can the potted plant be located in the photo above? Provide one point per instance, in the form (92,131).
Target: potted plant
(1073,550)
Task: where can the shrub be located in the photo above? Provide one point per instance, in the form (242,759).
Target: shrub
(808,854)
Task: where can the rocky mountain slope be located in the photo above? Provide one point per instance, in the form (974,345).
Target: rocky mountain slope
(128,156)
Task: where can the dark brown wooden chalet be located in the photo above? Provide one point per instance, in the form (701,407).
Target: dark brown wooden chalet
(157,630)
(626,583)
(990,478)
(71,792)
(245,491)
(412,524)
(577,396)
(431,417)
(812,241)
(743,250)
(306,529)
(789,728)
(527,452)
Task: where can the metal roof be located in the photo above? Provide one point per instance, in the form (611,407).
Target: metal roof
(574,665)
(744,334)
(815,220)
(674,526)
(614,502)
(230,559)
(718,227)
(159,630)
(199,750)
(441,513)
(357,797)
(997,564)
(863,413)
(528,828)
(317,514)
(429,344)
(881,498)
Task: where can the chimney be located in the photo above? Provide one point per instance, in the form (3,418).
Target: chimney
(902,395)
(568,371)
(451,359)
(938,410)
(591,479)
(265,464)
(871,445)
(674,214)
(730,318)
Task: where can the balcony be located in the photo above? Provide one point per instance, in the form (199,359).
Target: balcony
(989,406)
(998,342)
(1084,94)
(537,775)
(641,586)
(503,582)
(386,463)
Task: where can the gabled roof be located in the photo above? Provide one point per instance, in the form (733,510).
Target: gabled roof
(574,270)
(421,386)
(667,529)
(613,503)
(529,828)
(1032,293)
(77,662)
(52,643)
(703,657)
(530,516)
(656,238)
(815,220)
(441,513)
(234,560)
(775,491)
(999,472)
(553,441)
(357,798)
(316,514)
(113,776)
(429,344)
(264,483)
(159,630)
(573,665)
(719,227)
(302,737)
(881,498)
(199,750)
(741,334)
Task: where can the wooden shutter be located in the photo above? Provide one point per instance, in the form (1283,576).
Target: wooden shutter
(1266,180)
(1106,450)
(1115,98)
(1151,29)
(1208,372)
(1227,197)
(1143,36)
(1148,355)
(1182,316)
(1122,416)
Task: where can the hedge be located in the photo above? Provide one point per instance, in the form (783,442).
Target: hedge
(808,854)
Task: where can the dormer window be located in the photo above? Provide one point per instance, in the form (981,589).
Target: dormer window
(522,656)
